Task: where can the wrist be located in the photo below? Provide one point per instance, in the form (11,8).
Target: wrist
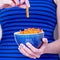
(46,49)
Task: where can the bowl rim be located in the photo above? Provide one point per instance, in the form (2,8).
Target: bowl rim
(17,33)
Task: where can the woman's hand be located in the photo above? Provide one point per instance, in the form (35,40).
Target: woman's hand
(22,5)
(12,3)
(33,52)
(8,3)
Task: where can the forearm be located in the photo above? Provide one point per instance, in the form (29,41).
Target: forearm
(53,47)
(58,19)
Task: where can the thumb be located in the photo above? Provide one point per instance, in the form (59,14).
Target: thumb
(22,5)
(45,42)
(16,2)
(27,3)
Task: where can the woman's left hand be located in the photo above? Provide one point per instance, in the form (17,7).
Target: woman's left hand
(33,52)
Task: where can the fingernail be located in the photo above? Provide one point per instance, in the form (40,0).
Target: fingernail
(45,39)
(21,45)
(27,43)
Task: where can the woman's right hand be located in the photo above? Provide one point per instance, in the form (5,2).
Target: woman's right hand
(22,5)
(8,3)
(12,3)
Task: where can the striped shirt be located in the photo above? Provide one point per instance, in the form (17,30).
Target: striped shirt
(42,15)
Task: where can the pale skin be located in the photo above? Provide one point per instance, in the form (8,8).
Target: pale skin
(10,3)
(46,47)
(53,48)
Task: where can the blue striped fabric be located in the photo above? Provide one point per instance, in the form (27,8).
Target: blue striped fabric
(42,15)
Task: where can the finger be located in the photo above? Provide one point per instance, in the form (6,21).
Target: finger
(9,2)
(45,42)
(34,50)
(6,6)
(22,6)
(16,2)
(22,1)
(25,53)
(30,52)
(32,47)
(22,50)
(27,3)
